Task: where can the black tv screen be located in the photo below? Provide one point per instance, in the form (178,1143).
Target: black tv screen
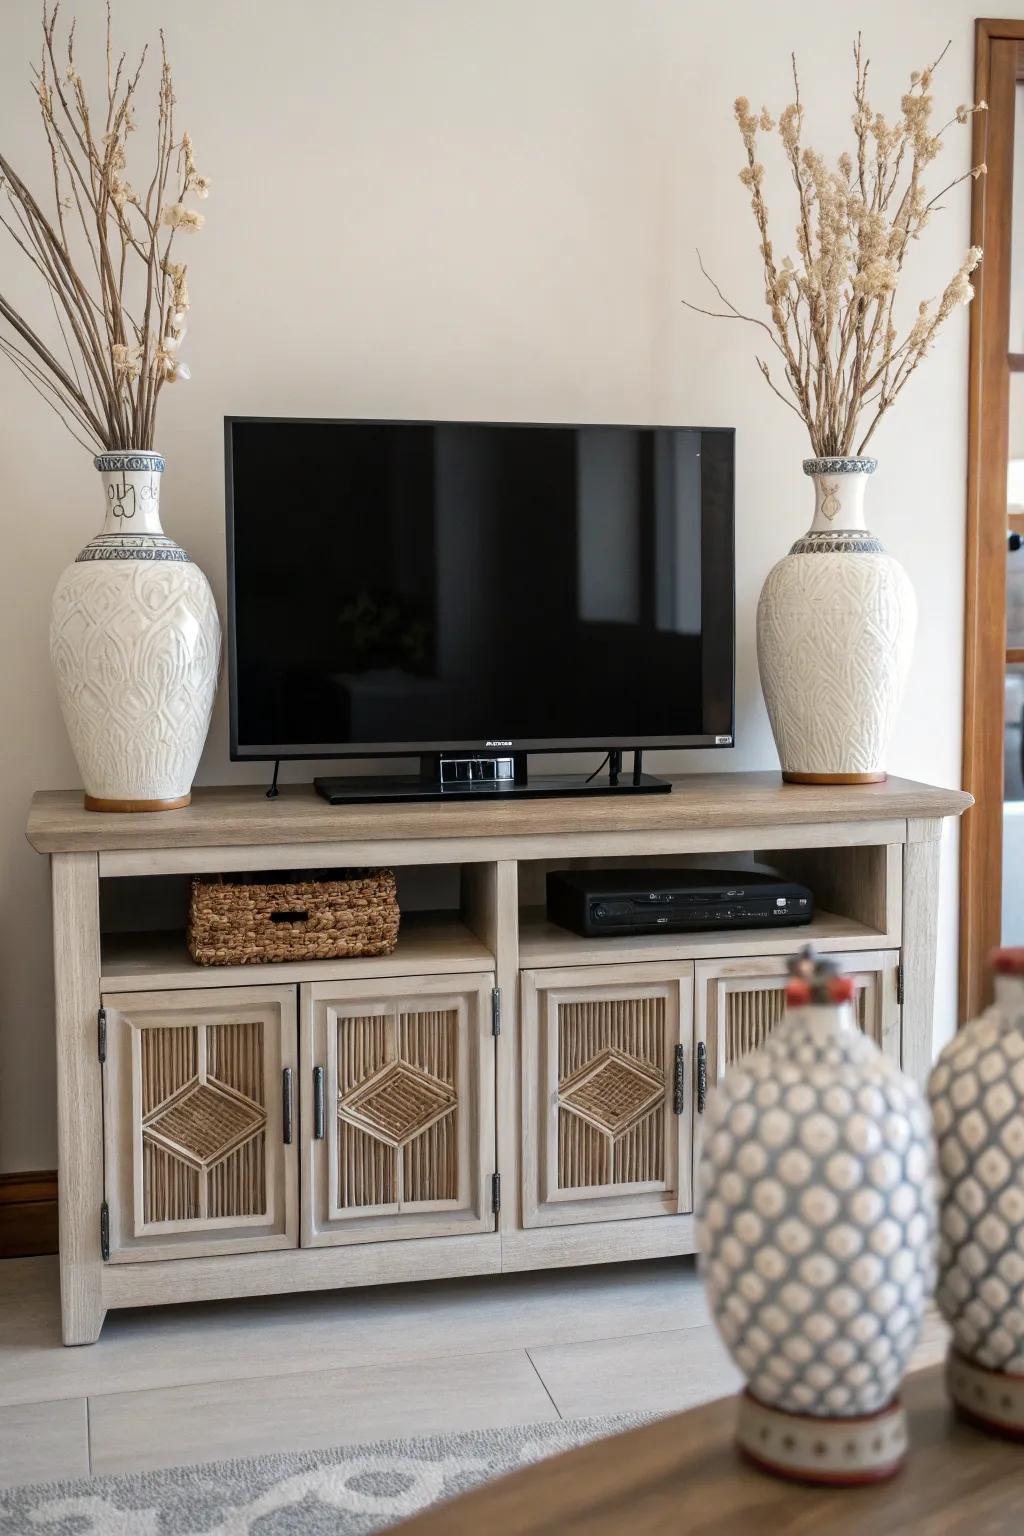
(406,587)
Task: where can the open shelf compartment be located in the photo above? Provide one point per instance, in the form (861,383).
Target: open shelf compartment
(429,943)
(143,938)
(858,905)
(545,944)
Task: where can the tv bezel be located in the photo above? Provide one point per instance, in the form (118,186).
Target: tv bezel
(332,751)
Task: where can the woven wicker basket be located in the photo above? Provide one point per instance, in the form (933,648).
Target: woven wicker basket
(240,920)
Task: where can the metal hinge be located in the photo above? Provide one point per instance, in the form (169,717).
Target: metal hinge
(702,1077)
(495,1192)
(104,1231)
(101,1033)
(899,984)
(679,1084)
(495,1010)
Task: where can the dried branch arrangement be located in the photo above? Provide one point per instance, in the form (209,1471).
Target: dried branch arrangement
(832,308)
(103,252)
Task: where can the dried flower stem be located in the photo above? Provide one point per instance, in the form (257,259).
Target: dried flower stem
(832,310)
(121,242)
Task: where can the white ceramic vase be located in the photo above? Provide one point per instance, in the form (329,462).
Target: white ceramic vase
(135,646)
(977,1096)
(835,634)
(816,1234)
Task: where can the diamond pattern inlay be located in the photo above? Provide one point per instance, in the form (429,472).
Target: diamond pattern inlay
(205,1123)
(613,1091)
(397,1102)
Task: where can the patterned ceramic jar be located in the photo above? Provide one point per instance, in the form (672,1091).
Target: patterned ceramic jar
(135,647)
(835,634)
(977,1096)
(816,1234)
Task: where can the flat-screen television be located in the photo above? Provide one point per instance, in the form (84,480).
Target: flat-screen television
(403,587)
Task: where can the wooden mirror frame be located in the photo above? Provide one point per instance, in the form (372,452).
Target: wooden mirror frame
(999,64)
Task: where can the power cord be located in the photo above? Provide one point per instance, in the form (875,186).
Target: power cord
(597,770)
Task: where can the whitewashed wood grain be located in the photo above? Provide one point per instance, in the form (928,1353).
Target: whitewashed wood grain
(277,1335)
(171,1425)
(40,1442)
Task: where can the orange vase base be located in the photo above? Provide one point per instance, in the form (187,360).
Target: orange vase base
(95,803)
(790,776)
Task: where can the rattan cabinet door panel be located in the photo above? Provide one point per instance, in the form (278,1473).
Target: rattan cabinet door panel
(739,1002)
(200,1151)
(607,1067)
(397,1109)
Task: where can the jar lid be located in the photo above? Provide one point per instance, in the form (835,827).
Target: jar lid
(816,979)
(1007,962)
(837,989)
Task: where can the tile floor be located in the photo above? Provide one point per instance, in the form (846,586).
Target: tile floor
(195,1383)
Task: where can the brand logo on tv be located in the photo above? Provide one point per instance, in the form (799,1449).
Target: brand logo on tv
(497,743)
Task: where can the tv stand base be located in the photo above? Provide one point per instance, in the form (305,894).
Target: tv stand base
(374,790)
(472,776)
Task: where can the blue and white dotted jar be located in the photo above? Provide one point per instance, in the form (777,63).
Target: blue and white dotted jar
(977,1095)
(135,647)
(816,1233)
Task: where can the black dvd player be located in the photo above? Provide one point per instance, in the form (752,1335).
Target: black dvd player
(596,902)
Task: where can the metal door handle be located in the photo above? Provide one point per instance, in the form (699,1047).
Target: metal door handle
(318,1103)
(702,1077)
(679,1089)
(286,1106)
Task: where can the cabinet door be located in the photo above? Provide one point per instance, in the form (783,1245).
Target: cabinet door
(739,1003)
(607,1102)
(198,1123)
(397,1109)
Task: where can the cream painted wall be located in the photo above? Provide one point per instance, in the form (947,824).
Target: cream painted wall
(474,208)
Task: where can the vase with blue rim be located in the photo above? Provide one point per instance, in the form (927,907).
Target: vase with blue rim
(135,643)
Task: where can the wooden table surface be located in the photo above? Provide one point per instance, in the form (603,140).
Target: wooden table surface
(241,814)
(682,1475)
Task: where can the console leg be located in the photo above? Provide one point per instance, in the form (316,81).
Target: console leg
(920,926)
(79,1324)
(76,970)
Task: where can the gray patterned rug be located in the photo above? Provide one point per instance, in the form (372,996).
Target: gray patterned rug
(350,1491)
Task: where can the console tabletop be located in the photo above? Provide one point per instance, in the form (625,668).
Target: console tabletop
(239,815)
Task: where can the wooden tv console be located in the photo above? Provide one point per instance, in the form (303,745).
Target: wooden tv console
(498,1094)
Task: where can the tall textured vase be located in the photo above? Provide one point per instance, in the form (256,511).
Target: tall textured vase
(135,646)
(816,1234)
(835,633)
(977,1095)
